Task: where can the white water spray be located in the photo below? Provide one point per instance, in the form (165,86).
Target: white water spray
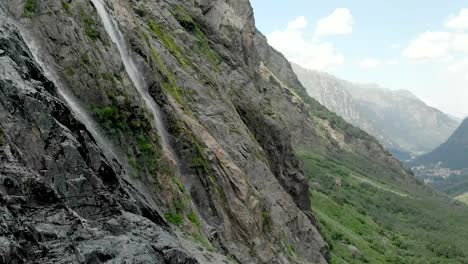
(76,108)
(112,29)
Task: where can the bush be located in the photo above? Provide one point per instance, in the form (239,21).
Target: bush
(193,217)
(175,219)
(90,26)
(267,224)
(30,8)
(67,6)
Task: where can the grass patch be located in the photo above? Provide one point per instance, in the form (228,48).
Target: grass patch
(90,25)
(149,155)
(169,83)
(193,217)
(67,6)
(184,18)
(203,47)
(30,8)
(179,184)
(267,224)
(175,219)
(169,43)
(290,249)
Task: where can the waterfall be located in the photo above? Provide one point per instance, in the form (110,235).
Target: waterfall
(112,29)
(76,108)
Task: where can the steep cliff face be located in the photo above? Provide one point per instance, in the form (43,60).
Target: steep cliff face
(88,175)
(62,200)
(314,127)
(159,132)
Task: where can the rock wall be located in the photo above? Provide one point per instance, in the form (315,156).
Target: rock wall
(240,194)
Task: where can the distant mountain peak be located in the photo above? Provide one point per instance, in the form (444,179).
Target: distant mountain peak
(397,118)
(406,93)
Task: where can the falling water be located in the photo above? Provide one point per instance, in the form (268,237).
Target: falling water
(111,27)
(76,108)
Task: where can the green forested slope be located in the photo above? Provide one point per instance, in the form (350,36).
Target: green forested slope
(369,219)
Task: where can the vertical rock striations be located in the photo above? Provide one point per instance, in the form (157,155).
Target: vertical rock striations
(241,195)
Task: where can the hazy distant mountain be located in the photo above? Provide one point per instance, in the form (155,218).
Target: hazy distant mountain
(453,153)
(446,167)
(398,119)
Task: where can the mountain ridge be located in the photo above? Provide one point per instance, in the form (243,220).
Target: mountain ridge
(171,132)
(416,129)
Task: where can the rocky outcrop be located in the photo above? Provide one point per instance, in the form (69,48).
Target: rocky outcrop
(90,177)
(279,153)
(237,192)
(61,200)
(312,125)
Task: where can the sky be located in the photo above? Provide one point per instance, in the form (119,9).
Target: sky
(420,46)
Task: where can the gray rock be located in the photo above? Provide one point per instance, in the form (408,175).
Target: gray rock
(238,171)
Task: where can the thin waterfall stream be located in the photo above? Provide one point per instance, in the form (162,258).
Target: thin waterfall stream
(74,105)
(112,29)
(81,114)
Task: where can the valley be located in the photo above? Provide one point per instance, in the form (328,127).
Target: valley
(172,132)
(403,123)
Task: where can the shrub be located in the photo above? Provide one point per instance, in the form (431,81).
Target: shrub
(30,8)
(193,217)
(90,26)
(67,6)
(267,224)
(175,219)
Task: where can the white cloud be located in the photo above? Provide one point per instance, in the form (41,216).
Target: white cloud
(339,22)
(429,45)
(369,63)
(455,78)
(306,51)
(298,23)
(460,42)
(460,21)
(458,68)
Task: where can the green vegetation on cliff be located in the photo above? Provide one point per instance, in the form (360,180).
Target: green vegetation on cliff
(30,8)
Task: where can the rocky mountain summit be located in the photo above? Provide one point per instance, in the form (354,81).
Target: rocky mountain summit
(158,132)
(402,122)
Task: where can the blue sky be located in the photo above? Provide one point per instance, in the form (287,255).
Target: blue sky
(421,46)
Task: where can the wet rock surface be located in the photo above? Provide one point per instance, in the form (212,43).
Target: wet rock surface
(61,200)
